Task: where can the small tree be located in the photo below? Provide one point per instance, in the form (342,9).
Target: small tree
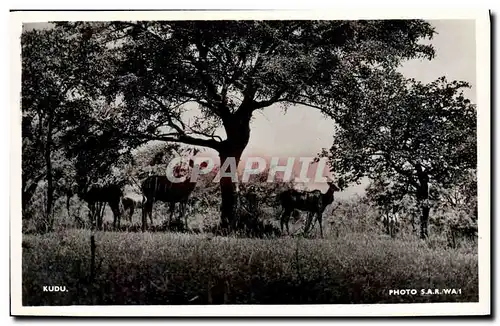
(392,199)
(54,64)
(415,134)
(462,195)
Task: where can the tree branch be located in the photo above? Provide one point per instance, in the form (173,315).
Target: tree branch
(202,68)
(201,102)
(211,143)
(399,170)
(322,109)
(212,136)
(136,25)
(250,90)
(274,99)
(181,138)
(167,110)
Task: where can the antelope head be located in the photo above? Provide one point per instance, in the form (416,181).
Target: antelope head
(332,184)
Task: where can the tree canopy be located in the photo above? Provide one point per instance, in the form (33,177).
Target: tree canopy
(142,77)
(231,68)
(411,133)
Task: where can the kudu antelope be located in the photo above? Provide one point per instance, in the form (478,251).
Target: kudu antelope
(390,219)
(131,201)
(96,197)
(313,202)
(160,188)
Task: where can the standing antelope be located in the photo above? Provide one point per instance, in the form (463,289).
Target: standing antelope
(96,197)
(390,219)
(313,202)
(159,187)
(130,202)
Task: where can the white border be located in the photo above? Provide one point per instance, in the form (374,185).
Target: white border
(427,309)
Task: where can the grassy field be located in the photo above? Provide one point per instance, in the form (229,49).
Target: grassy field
(174,268)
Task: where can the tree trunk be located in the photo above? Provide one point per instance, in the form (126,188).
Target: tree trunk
(228,192)
(27,195)
(423,199)
(238,134)
(424,219)
(69,194)
(50,185)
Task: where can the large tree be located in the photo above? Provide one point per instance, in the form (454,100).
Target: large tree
(413,134)
(59,78)
(230,69)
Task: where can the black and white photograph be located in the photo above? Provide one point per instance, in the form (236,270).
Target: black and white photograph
(237,163)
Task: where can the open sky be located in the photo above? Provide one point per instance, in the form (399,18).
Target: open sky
(304,132)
